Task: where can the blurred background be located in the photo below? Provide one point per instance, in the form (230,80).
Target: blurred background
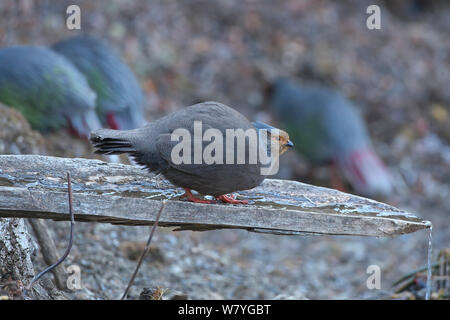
(182,52)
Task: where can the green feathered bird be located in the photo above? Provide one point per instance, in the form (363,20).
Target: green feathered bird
(47,89)
(119,96)
(327,128)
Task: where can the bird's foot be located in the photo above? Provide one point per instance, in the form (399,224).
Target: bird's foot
(230,199)
(336,180)
(190,197)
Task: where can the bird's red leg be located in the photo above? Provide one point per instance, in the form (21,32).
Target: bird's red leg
(336,181)
(230,199)
(188,194)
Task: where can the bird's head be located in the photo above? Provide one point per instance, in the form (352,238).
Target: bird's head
(126,118)
(282,139)
(277,136)
(82,123)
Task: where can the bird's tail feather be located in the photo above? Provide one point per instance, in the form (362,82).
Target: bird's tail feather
(107,141)
(366,172)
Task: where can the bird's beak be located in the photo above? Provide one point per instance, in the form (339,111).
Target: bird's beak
(289,144)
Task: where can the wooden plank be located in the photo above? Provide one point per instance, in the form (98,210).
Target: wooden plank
(35,187)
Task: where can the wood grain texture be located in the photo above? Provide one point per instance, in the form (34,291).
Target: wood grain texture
(35,187)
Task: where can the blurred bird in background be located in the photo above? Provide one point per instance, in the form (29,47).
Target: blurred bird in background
(80,83)
(328,129)
(47,89)
(119,96)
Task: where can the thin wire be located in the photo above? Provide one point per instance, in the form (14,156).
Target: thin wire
(144,253)
(72,224)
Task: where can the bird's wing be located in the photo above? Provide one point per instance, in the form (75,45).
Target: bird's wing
(165,146)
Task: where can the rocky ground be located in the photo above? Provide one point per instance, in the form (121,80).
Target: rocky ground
(187,51)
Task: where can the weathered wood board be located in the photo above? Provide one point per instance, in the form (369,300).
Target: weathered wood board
(36,187)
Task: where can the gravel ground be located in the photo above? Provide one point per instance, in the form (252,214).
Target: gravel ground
(186,51)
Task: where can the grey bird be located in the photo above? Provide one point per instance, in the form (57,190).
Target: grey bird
(47,89)
(152,147)
(119,96)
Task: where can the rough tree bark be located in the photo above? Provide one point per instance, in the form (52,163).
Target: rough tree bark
(120,194)
(16,245)
(16,266)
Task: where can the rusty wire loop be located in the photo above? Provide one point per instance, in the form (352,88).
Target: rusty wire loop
(144,253)
(69,246)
